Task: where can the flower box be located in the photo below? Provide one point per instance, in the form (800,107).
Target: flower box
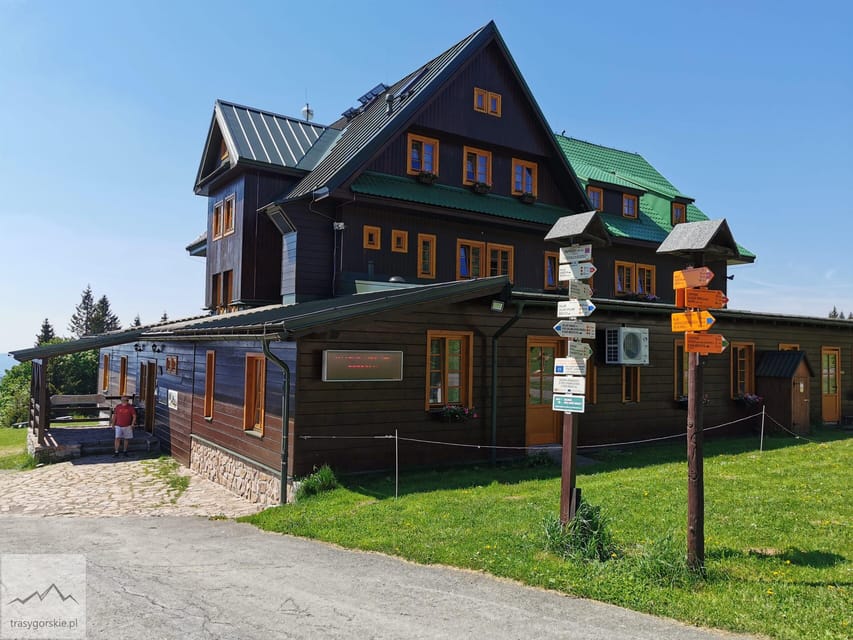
(527,197)
(453,413)
(481,187)
(427,177)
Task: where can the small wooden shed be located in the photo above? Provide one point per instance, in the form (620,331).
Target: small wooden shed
(782,378)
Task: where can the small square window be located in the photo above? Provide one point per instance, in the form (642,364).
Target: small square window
(494,104)
(487,102)
(399,241)
(629,206)
(372,237)
(596,198)
(481,96)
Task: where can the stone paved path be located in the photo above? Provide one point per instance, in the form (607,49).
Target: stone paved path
(106,486)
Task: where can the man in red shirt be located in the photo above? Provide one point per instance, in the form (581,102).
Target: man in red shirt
(124,419)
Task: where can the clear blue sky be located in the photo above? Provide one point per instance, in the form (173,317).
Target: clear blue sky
(746,106)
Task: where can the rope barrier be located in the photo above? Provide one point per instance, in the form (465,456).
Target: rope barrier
(526,448)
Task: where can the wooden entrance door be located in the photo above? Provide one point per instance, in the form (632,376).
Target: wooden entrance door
(542,424)
(147,385)
(830,373)
(800,404)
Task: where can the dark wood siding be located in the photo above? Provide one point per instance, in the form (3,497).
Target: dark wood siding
(225,253)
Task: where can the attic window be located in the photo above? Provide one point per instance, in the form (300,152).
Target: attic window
(523,177)
(596,198)
(629,206)
(223,153)
(487,102)
(422,155)
(679,213)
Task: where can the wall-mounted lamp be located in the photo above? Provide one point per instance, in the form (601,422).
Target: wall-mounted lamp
(139,347)
(497,306)
(157,348)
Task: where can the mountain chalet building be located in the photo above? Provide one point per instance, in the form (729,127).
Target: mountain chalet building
(365,275)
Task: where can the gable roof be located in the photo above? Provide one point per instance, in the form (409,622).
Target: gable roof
(599,165)
(262,138)
(781,364)
(711,237)
(385,115)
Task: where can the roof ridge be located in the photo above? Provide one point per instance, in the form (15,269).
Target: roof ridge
(271,113)
(601,146)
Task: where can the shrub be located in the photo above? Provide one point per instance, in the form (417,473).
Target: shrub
(663,562)
(585,537)
(323,479)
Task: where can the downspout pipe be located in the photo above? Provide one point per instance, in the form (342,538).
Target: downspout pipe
(285,413)
(519,310)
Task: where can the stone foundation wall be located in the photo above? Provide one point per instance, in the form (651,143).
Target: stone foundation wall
(51,452)
(238,476)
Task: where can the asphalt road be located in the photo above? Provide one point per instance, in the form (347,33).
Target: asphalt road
(179,577)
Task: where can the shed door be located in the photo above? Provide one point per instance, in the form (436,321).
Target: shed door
(542,424)
(829,383)
(800,404)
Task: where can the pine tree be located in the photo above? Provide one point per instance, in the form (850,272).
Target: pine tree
(103,319)
(136,321)
(81,321)
(164,317)
(46,334)
(834,312)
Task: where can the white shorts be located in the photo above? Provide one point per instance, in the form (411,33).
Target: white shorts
(124,432)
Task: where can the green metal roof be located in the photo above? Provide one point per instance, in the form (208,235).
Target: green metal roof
(624,169)
(438,195)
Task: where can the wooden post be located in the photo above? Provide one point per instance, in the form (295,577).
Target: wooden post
(568,500)
(695,473)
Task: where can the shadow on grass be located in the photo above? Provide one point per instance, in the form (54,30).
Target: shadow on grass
(794,556)
(381,486)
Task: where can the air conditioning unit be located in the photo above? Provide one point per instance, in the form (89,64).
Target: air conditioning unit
(626,345)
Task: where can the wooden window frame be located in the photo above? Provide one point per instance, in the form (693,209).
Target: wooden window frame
(216,224)
(223,151)
(466,379)
(680,368)
(554,257)
(216,292)
(673,217)
(626,198)
(254,393)
(172,365)
(492,246)
(631,286)
(788,346)
(209,383)
(227,289)
(600,192)
(105,373)
(229,213)
(630,384)
(478,153)
(498,110)
(481,93)
(481,266)
(649,268)
(423,238)
(403,237)
(742,366)
(413,137)
(367,243)
(122,376)
(517,164)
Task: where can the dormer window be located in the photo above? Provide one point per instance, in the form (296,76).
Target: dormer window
(422,155)
(478,166)
(487,102)
(596,198)
(629,206)
(523,177)
(679,213)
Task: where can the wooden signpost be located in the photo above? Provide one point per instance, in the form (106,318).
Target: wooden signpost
(692,321)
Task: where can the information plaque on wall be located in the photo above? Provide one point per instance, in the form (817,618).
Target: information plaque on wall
(362,366)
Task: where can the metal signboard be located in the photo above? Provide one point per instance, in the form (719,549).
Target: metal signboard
(579,290)
(568,403)
(692,321)
(696,277)
(579,350)
(700,298)
(575,385)
(569,366)
(576,253)
(575,329)
(577,271)
(704,343)
(574,308)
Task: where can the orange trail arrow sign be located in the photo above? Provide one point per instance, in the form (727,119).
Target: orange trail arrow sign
(700,298)
(698,277)
(704,343)
(692,321)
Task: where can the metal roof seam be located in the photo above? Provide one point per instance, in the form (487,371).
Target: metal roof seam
(243,130)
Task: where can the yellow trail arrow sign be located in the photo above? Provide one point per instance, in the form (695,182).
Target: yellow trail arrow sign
(704,343)
(699,298)
(698,277)
(692,321)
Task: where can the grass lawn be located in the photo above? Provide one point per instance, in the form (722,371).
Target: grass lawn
(13,449)
(778,539)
